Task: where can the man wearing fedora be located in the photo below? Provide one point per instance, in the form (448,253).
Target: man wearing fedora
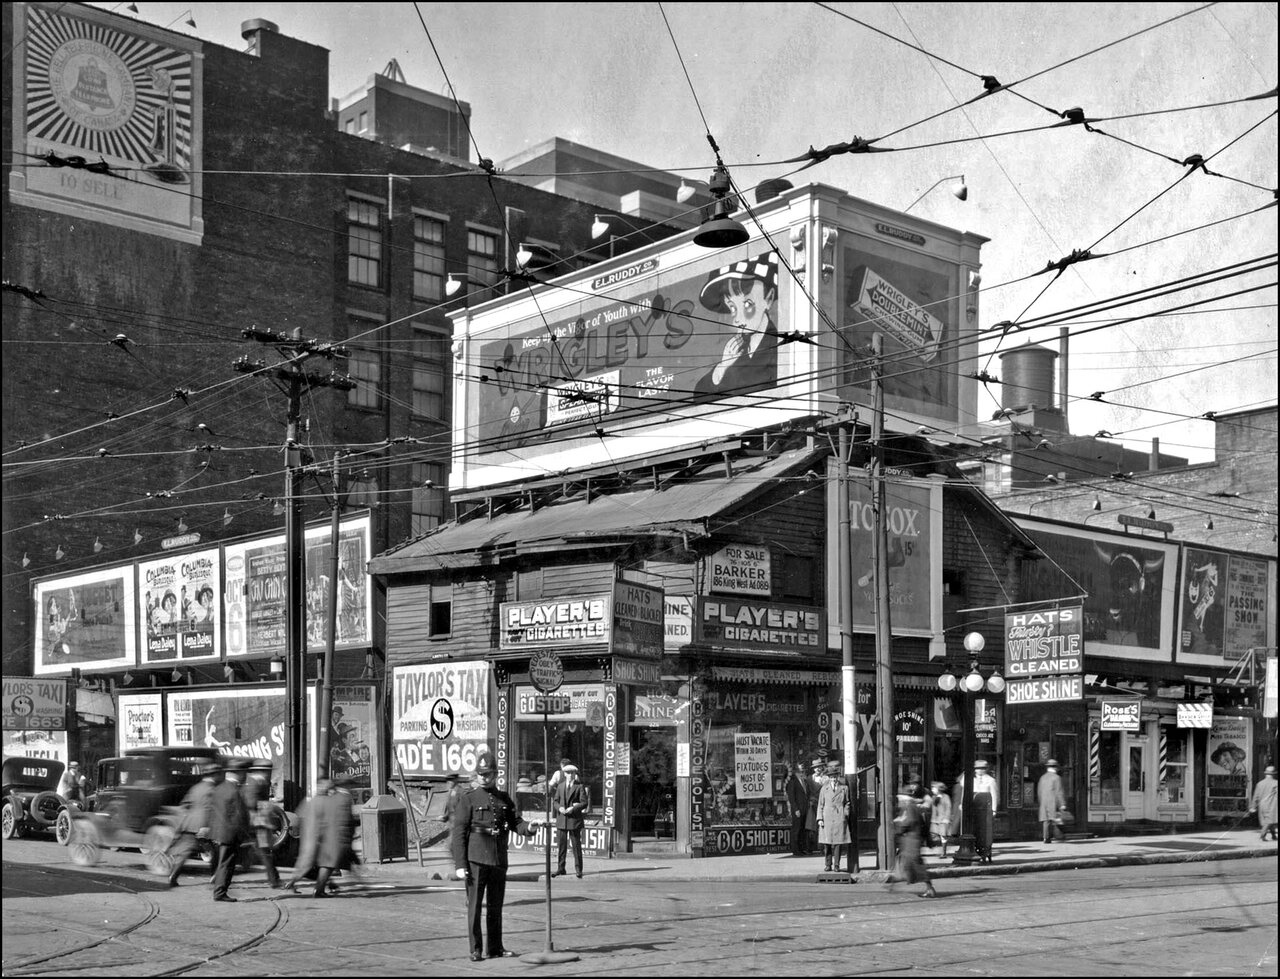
(1264,802)
(228,825)
(196,817)
(1052,802)
(748,292)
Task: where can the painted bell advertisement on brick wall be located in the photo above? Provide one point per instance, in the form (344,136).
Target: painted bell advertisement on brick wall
(178,607)
(909,299)
(255,575)
(440,716)
(121,95)
(703,334)
(86,621)
(1130,585)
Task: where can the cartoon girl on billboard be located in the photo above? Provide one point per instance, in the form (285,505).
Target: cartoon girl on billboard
(748,292)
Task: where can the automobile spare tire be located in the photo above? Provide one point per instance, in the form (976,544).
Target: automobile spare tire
(45,808)
(62,828)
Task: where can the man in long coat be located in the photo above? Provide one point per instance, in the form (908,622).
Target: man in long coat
(798,807)
(195,818)
(834,807)
(1052,801)
(482,821)
(814,786)
(1264,802)
(228,826)
(335,824)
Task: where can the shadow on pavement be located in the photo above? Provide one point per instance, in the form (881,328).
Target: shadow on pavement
(23,880)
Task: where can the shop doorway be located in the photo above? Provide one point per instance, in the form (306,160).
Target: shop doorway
(653,784)
(1136,761)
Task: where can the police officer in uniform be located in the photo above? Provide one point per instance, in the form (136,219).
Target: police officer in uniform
(481,822)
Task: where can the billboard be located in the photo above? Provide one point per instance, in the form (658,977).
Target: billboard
(1129,581)
(705,332)
(255,589)
(248,723)
(139,721)
(910,299)
(1225,608)
(178,607)
(30,704)
(115,92)
(86,621)
(440,716)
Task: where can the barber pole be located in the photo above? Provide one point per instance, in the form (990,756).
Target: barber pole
(1095,767)
(1164,755)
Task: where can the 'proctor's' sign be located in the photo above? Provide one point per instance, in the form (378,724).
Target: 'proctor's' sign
(777,629)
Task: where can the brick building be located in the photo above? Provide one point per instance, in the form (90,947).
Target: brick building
(221,204)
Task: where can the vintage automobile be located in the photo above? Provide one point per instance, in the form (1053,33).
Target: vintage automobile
(137,803)
(30,798)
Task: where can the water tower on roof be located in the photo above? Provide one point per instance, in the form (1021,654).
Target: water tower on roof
(1026,387)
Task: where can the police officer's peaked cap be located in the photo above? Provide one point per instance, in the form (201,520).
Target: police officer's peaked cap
(485,765)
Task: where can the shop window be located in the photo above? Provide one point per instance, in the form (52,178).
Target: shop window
(576,740)
(1174,770)
(1104,780)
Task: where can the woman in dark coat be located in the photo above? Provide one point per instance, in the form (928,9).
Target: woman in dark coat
(910,826)
(335,825)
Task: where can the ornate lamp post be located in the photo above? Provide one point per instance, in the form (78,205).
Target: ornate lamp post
(971,684)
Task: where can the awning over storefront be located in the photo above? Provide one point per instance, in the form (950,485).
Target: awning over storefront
(676,509)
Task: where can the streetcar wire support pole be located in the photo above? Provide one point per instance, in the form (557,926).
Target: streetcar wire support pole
(884,634)
(844,558)
(325,714)
(296,350)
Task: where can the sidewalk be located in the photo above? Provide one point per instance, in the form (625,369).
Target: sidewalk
(1007,858)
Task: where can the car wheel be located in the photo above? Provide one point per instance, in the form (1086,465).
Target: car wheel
(155,848)
(45,808)
(9,827)
(85,843)
(62,828)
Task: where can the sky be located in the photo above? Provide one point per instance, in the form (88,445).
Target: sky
(769,80)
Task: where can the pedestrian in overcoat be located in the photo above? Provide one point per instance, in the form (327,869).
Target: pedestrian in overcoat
(814,786)
(1052,801)
(909,825)
(1264,802)
(335,825)
(228,826)
(834,807)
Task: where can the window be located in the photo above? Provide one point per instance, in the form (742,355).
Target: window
(428,258)
(365,368)
(1175,788)
(430,352)
(482,257)
(439,611)
(361,490)
(364,122)
(364,242)
(1104,781)
(428,502)
(351,125)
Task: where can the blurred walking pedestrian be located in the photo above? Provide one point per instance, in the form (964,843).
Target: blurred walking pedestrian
(335,827)
(1263,802)
(909,825)
(257,801)
(939,816)
(196,817)
(1052,802)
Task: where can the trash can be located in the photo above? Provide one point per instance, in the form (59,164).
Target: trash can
(384,829)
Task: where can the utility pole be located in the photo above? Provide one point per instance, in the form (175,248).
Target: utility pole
(844,558)
(884,634)
(293,380)
(325,716)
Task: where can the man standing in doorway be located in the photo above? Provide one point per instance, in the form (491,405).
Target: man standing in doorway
(571,800)
(798,807)
(1052,802)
